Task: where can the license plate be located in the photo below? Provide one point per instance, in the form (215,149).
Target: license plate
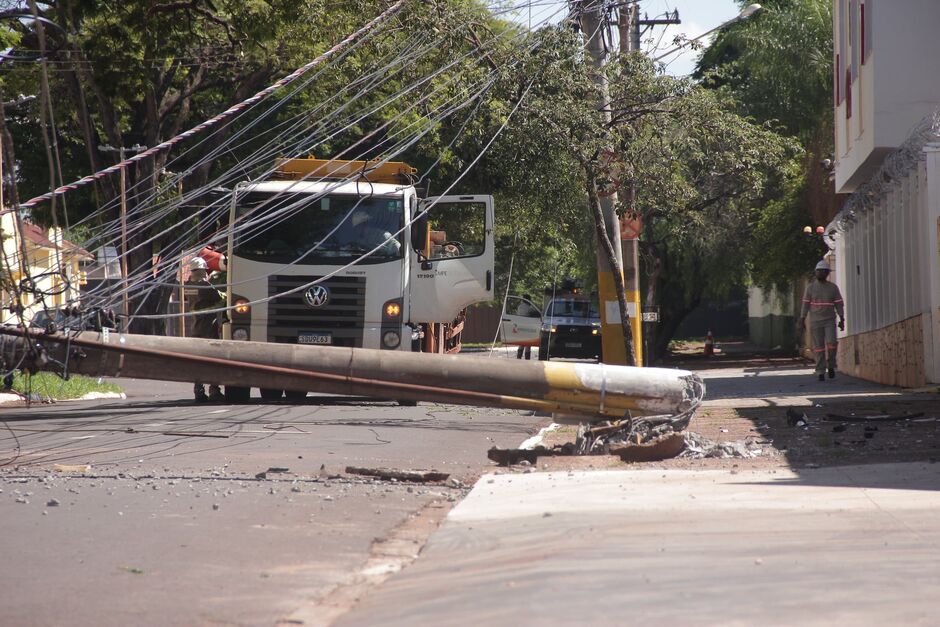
(315,338)
(572,344)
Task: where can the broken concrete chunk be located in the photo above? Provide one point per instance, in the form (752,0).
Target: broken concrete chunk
(663,447)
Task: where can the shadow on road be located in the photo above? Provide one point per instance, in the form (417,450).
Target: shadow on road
(841,431)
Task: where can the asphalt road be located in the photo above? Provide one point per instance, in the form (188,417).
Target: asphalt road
(169,525)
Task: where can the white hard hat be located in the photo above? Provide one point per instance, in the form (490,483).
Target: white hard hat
(198,263)
(823,265)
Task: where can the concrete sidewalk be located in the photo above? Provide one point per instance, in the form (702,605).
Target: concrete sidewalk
(835,546)
(791,385)
(838,545)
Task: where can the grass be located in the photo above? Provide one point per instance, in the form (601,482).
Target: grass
(49,385)
(481,344)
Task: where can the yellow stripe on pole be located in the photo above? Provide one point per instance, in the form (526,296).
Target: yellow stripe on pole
(612,348)
(614,351)
(633,296)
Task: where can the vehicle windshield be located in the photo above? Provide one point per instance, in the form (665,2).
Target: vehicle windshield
(572,308)
(291,227)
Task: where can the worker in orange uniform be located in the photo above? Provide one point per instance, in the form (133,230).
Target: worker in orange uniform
(822,301)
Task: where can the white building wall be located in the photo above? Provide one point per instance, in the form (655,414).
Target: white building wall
(930,259)
(888,260)
(894,82)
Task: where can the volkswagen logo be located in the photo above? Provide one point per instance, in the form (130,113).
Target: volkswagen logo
(317,296)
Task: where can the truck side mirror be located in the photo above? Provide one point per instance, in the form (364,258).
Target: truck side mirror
(419,235)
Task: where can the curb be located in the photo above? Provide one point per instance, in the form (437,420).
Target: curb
(6,398)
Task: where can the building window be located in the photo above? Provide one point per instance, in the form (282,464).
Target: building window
(838,80)
(842,37)
(866,29)
(864,35)
(848,93)
(853,61)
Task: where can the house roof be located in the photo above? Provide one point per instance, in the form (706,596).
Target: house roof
(39,236)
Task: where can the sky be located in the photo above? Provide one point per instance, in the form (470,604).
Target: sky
(697,16)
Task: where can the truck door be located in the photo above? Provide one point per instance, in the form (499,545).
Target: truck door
(451,257)
(521,322)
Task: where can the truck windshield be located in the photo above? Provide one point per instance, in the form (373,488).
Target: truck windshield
(572,308)
(312,229)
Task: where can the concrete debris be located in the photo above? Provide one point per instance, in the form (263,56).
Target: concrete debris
(797,419)
(700,447)
(664,447)
(417,476)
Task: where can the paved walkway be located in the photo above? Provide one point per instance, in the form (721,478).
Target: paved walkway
(790,384)
(837,546)
(842,545)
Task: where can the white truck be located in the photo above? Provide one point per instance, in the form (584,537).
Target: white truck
(338,253)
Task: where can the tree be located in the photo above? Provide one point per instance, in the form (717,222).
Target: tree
(699,170)
(777,68)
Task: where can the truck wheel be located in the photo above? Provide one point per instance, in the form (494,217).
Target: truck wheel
(237,394)
(543,349)
(271,395)
(295,395)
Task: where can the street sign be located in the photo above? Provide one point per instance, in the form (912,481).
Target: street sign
(650,316)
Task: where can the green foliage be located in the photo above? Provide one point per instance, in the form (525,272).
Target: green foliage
(697,158)
(49,385)
(778,249)
(777,65)
(777,68)
(700,169)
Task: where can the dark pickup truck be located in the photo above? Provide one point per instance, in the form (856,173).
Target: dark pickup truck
(571,327)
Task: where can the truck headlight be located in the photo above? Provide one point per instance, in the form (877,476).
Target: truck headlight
(391,339)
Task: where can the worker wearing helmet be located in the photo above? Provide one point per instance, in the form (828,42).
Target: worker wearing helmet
(206,325)
(822,302)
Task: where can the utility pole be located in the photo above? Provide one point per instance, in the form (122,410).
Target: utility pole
(629,26)
(136,148)
(594,26)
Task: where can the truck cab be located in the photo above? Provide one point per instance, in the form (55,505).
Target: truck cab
(345,253)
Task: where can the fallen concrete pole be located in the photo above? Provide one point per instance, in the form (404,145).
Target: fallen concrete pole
(579,391)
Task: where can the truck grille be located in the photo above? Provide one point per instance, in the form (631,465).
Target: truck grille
(343,316)
(574,332)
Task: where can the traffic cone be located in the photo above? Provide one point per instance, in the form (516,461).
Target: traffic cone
(709,344)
